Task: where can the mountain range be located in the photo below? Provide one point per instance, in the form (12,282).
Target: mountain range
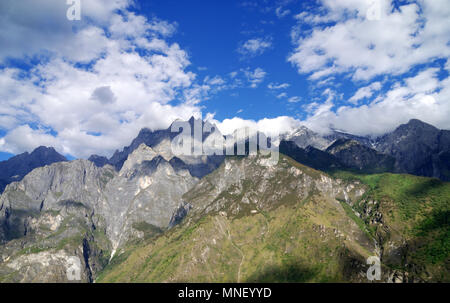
(146,214)
(415,148)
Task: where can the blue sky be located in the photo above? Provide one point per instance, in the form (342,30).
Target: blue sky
(212,32)
(88,86)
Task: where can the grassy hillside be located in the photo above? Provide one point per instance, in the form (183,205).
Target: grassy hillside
(415,221)
(283,246)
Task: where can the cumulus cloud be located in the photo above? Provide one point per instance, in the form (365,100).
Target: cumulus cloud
(282,12)
(104,95)
(294,99)
(401,38)
(368,40)
(282,95)
(254,77)
(365,92)
(271,127)
(27,29)
(98,81)
(24,138)
(422,96)
(255,47)
(276,86)
(111,57)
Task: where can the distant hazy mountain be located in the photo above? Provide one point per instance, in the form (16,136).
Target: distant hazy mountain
(419,149)
(310,156)
(15,168)
(99,161)
(416,148)
(305,137)
(336,135)
(355,155)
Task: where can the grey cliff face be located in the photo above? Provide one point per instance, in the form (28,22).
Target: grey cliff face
(88,205)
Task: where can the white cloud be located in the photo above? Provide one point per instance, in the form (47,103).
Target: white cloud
(422,96)
(254,77)
(281,12)
(217,80)
(415,33)
(24,138)
(271,127)
(27,28)
(104,95)
(424,82)
(255,47)
(95,109)
(365,92)
(233,74)
(294,99)
(134,73)
(282,95)
(330,94)
(275,86)
(362,42)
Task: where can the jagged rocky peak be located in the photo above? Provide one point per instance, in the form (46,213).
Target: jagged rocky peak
(413,131)
(253,180)
(416,127)
(416,123)
(44,151)
(160,140)
(418,148)
(18,166)
(41,156)
(256,206)
(305,137)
